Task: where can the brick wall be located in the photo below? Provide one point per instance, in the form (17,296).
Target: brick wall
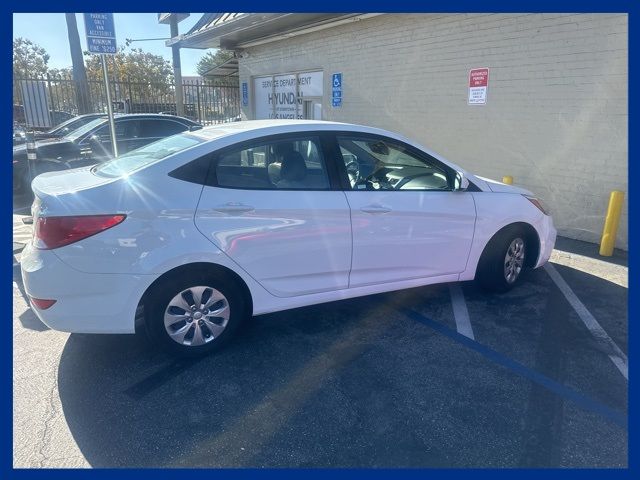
(556,113)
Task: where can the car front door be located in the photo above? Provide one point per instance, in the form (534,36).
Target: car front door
(407,220)
(97,147)
(272,207)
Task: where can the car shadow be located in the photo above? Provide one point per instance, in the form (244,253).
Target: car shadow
(349,383)
(127,404)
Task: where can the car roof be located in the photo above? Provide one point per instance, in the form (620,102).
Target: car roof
(161,116)
(269,127)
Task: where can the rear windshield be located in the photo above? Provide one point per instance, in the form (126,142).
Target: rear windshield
(147,155)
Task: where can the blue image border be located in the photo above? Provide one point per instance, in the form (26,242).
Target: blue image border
(120,6)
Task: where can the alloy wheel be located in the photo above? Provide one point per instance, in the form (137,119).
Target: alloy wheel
(514,260)
(196,316)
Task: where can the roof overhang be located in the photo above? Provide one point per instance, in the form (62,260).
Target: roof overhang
(242,30)
(225,69)
(166,18)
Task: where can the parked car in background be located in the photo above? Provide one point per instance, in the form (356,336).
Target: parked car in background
(203,229)
(59,131)
(91,144)
(56,117)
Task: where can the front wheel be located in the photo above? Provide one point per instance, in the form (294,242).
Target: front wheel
(503,261)
(195,314)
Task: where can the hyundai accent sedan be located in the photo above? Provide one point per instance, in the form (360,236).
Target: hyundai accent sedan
(190,235)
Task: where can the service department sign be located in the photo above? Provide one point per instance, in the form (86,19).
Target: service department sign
(282,96)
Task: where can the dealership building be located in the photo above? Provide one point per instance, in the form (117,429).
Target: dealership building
(540,97)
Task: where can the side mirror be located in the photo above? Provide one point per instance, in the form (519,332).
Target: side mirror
(462,182)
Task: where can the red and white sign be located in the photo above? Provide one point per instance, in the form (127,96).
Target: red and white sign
(478,84)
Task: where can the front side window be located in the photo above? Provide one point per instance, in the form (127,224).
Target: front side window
(125,130)
(161,128)
(377,163)
(287,164)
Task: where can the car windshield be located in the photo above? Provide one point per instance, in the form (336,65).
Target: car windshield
(82,131)
(147,155)
(71,125)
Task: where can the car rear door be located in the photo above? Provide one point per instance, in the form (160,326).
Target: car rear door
(407,221)
(288,226)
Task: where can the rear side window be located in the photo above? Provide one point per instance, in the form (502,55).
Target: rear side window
(285,164)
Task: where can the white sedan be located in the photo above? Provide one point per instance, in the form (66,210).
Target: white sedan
(188,236)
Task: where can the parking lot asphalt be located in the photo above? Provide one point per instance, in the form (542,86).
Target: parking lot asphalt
(439,376)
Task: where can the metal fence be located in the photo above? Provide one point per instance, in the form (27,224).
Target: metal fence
(204,101)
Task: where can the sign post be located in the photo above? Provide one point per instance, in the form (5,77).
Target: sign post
(101,39)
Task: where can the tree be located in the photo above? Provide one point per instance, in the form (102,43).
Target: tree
(148,77)
(211,59)
(79,73)
(136,65)
(29,59)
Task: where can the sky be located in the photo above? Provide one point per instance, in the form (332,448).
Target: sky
(49,30)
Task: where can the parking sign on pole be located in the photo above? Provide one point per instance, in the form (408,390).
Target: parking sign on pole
(101,39)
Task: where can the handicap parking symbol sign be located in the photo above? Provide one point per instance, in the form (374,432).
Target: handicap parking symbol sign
(337,80)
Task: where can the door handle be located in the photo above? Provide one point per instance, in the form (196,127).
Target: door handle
(233,207)
(375,209)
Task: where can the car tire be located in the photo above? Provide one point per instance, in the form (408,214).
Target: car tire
(203,328)
(503,261)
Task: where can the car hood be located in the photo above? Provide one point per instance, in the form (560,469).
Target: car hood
(500,187)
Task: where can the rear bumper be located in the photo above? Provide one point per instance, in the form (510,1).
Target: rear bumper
(85,302)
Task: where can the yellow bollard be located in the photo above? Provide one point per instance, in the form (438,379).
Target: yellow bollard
(611,222)
(508,180)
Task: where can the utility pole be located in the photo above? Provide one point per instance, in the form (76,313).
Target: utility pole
(173,19)
(177,74)
(79,72)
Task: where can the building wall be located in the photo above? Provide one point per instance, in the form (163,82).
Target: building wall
(556,113)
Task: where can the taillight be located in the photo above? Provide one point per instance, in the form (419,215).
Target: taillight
(55,232)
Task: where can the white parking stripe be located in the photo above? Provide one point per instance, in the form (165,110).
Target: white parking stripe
(460,312)
(617,356)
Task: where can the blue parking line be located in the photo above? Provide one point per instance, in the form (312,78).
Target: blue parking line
(559,389)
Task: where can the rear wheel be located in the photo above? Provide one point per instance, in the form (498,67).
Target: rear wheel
(194,314)
(503,260)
